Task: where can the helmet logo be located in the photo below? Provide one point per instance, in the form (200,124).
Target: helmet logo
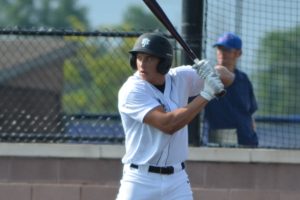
(145,42)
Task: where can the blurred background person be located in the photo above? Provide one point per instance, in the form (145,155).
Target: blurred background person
(229,120)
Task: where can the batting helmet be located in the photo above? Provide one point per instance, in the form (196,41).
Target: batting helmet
(154,44)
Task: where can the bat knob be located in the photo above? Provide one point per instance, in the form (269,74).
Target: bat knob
(221,94)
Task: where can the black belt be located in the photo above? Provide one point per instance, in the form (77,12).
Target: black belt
(159,170)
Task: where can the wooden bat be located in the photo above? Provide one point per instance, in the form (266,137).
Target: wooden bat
(163,18)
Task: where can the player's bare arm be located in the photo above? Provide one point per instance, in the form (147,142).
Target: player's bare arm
(170,122)
(226,76)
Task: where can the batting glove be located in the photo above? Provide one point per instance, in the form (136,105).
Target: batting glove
(204,69)
(212,86)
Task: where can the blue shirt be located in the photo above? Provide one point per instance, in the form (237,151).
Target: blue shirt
(234,110)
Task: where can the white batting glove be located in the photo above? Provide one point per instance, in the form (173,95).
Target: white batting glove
(204,69)
(212,86)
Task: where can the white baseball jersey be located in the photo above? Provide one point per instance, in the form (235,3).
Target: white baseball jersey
(145,144)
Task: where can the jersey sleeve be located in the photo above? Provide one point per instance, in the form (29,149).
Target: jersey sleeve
(136,102)
(187,75)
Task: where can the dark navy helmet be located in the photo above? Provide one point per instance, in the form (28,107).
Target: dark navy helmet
(154,44)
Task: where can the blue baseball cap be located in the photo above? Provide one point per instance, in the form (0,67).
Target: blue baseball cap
(230,41)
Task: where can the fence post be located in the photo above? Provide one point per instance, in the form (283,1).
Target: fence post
(192,22)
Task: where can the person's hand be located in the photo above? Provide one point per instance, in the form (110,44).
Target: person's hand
(204,69)
(212,87)
(227,77)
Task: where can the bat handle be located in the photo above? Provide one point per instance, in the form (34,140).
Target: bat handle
(221,93)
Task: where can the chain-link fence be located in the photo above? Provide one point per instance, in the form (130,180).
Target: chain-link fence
(61,86)
(270,33)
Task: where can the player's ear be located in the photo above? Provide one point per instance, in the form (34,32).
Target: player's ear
(240,52)
(237,53)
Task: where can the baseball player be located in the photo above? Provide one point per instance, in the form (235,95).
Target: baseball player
(154,109)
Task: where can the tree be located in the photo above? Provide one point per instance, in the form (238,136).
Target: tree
(279,80)
(137,18)
(36,13)
(94,76)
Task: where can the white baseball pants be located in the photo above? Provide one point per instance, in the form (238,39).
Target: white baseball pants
(139,184)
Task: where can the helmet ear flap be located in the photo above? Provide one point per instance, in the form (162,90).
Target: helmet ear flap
(164,65)
(132,60)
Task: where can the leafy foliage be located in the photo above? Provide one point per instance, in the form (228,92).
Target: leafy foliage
(94,76)
(138,19)
(279,80)
(36,13)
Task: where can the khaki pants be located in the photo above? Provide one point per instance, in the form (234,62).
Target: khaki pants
(226,137)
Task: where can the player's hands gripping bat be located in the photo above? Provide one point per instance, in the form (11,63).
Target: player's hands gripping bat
(162,17)
(212,82)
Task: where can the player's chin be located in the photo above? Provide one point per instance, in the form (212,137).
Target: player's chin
(143,75)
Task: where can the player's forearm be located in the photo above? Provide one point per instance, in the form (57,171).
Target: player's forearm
(226,76)
(180,117)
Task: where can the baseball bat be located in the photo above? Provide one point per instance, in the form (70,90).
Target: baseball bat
(163,18)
